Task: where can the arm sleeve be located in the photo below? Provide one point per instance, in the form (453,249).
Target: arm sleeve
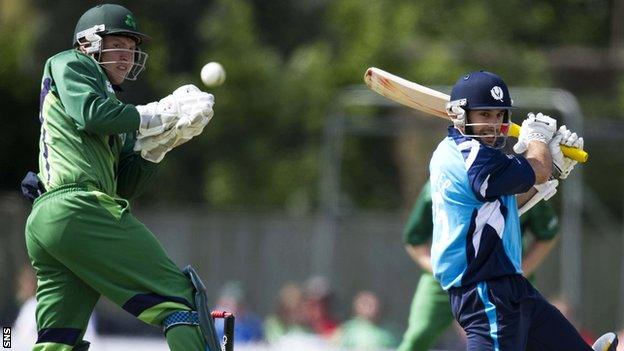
(419,227)
(493,174)
(86,101)
(543,221)
(134,172)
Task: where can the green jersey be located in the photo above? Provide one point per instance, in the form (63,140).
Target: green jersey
(87,134)
(540,220)
(419,227)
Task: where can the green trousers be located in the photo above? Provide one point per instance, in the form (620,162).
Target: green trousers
(84,244)
(429,317)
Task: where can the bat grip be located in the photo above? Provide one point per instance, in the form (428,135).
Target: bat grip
(571,152)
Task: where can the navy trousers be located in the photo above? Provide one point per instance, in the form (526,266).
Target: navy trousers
(509,314)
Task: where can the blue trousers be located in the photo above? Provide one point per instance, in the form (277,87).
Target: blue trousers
(509,314)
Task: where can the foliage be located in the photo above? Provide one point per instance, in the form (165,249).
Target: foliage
(286,61)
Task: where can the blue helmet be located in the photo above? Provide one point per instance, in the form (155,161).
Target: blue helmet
(480,90)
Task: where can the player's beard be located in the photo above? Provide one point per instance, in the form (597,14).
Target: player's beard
(489,136)
(492,136)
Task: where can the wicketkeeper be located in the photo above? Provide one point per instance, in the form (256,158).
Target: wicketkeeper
(95,153)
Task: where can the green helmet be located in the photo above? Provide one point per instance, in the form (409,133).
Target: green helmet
(109,19)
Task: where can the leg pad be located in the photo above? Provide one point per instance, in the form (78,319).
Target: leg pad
(180,318)
(206,321)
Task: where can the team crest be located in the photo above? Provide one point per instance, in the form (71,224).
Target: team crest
(130,21)
(497,93)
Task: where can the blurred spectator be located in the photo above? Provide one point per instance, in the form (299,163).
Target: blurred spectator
(248,326)
(288,317)
(621,338)
(562,304)
(318,307)
(25,326)
(362,330)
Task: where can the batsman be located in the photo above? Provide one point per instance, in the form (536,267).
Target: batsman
(96,152)
(430,312)
(478,193)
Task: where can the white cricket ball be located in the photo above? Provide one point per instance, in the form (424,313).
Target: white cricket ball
(213,74)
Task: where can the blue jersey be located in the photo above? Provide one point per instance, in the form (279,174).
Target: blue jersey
(476,231)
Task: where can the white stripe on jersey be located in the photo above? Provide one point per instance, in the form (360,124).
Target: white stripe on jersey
(490,214)
(484,185)
(473,145)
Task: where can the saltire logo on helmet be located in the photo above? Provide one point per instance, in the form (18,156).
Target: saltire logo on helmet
(497,93)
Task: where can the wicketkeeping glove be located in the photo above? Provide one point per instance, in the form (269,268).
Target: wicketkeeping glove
(195,108)
(535,127)
(193,101)
(156,117)
(155,148)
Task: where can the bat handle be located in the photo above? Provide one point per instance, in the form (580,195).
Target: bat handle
(571,152)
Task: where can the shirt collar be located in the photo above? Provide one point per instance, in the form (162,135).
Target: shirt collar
(456,135)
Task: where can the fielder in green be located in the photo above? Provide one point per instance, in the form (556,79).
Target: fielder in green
(95,153)
(430,313)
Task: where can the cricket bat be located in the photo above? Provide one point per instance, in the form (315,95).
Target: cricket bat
(432,101)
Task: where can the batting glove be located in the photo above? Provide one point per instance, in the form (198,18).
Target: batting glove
(544,192)
(535,127)
(565,165)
